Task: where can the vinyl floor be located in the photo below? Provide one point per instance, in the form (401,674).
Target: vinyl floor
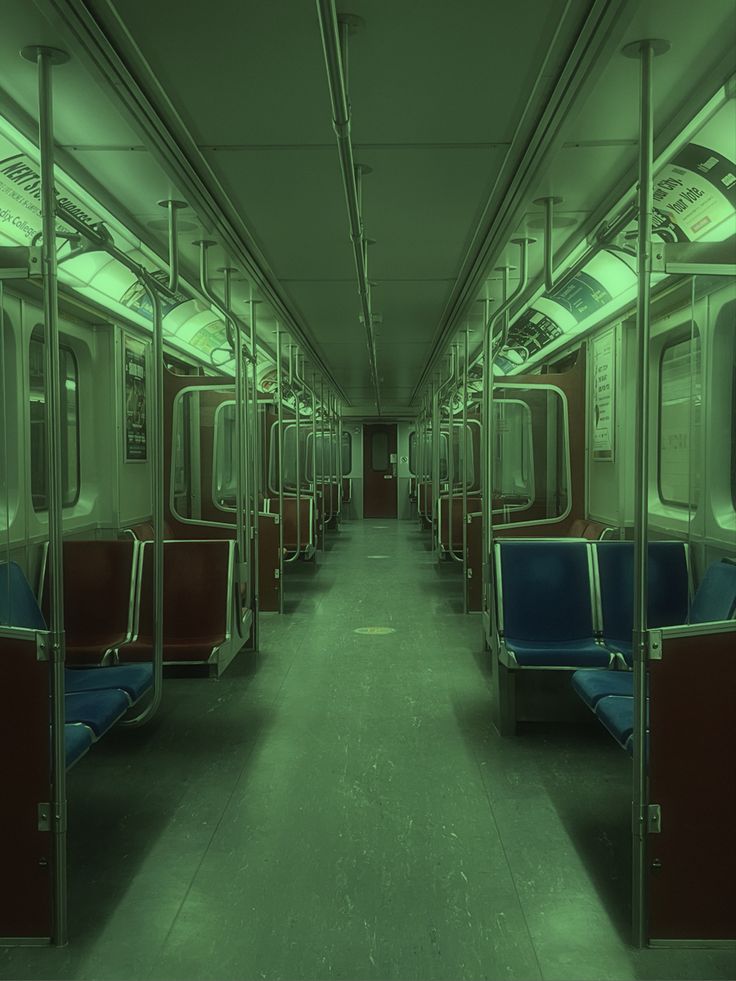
(339,805)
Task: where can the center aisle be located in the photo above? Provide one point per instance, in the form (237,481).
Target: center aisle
(359,840)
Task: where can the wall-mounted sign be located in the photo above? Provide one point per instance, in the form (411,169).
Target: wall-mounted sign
(134,388)
(604,396)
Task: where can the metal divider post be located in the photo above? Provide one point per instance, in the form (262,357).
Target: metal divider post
(644,51)
(45,58)
(280,433)
(256,473)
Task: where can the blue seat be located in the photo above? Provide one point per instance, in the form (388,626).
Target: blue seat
(77,740)
(592,686)
(668,589)
(134,679)
(716,595)
(99,710)
(546,605)
(18,606)
(616,712)
(714,600)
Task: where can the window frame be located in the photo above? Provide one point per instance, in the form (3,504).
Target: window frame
(681,334)
(38,336)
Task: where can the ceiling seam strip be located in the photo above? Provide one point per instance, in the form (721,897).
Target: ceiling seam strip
(74,17)
(597,36)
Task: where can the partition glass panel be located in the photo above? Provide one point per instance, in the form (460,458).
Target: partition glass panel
(531,471)
(204,456)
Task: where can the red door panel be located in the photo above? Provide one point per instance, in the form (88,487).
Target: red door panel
(380,499)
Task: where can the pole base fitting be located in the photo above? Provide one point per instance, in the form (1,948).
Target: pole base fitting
(56,56)
(634,49)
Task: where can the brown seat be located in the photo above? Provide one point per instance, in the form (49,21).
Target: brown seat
(197,599)
(289,520)
(98,596)
(594,531)
(144,531)
(457,519)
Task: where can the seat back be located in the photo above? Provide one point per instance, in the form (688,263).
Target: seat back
(545,590)
(577,528)
(99,577)
(594,531)
(18,606)
(715,598)
(668,586)
(197,592)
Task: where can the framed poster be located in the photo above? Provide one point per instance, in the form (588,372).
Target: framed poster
(604,396)
(134,389)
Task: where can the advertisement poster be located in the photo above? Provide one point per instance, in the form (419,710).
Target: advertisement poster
(603,396)
(134,366)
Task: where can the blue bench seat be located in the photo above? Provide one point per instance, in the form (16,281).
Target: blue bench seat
(545,600)
(591,686)
(668,586)
(568,653)
(99,710)
(134,679)
(616,712)
(77,740)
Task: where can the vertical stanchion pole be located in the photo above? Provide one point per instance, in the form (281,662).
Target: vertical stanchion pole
(239,412)
(323,440)
(314,442)
(644,51)
(280,458)
(465,471)
(256,472)
(45,58)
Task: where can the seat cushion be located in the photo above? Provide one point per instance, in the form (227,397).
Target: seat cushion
(99,710)
(616,712)
(134,679)
(565,654)
(77,740)
(591,686)
(716,595)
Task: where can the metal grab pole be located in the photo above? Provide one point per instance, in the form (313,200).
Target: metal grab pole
(338,417)
(323,435)
(298,549)
(45,58)
(314,443)
(451,454)
(256,472)
(157,504)
(644,51)
(280,436)
(465,472)
(239,503)
(492,349)
(548,203)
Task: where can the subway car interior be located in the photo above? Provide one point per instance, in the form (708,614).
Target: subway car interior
(368,489)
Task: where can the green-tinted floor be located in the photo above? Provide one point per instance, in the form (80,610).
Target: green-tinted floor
(339,806)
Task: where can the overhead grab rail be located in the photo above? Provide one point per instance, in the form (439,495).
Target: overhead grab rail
(335,55)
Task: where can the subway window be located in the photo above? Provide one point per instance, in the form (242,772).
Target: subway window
(678,465)
(347,453)
(379,450)
(69,428)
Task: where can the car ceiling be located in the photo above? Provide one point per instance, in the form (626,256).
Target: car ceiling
(437,91)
